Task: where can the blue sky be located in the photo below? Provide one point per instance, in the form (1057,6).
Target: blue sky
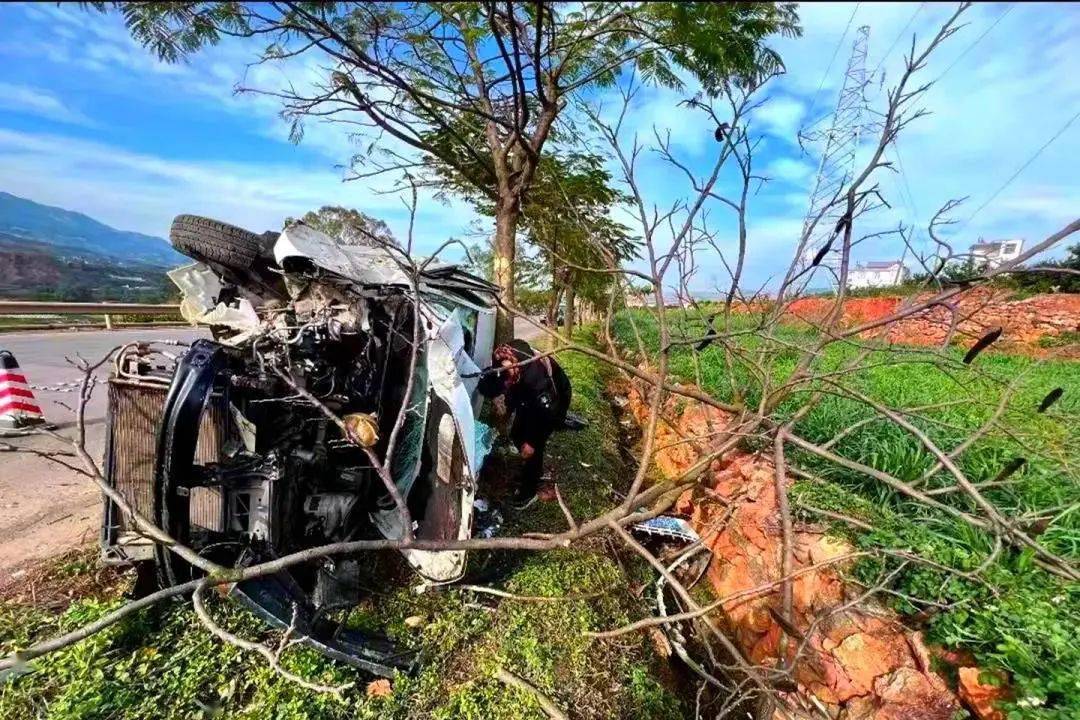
(89,121)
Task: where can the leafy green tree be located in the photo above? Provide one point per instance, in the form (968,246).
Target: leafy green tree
(566,218)
(405,71)
(529,270)
(348,226)
(1061,275)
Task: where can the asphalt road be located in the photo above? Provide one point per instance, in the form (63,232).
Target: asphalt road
(45,359)
(46,508)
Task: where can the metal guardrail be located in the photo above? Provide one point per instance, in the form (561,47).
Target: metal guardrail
(106,310)
(30,307)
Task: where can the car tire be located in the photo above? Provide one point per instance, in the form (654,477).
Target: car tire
(213,241)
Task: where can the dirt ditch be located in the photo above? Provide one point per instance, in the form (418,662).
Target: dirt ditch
(850,657)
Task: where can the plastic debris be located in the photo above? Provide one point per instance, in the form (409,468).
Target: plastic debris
(667,526)
(486,520)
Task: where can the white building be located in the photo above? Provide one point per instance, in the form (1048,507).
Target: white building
(997,252)
(877,273)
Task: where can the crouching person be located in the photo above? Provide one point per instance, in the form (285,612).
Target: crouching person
(537,392)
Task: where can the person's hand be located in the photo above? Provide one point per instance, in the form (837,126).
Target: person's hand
(527,450)
(499,405)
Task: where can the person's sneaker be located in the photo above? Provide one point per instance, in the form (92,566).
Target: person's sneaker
(522,499)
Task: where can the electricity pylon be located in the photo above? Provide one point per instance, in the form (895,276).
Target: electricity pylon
(837,164)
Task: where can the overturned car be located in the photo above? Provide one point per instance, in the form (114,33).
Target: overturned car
(326,362)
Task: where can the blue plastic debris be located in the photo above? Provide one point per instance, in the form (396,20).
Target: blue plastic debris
(667,526)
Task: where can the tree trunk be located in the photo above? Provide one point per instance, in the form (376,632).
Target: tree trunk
(556,290)
(506,220)
(553,304)
(568,314)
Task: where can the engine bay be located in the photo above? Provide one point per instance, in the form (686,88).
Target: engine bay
(281,431)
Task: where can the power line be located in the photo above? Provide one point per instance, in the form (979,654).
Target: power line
(907,186)
(1021,169)
(819,118)
(825,75)
(906,193)
(897,39)
(976,42)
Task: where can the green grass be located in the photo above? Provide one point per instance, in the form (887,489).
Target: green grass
(1029,627)
(162,663)
(1069,337)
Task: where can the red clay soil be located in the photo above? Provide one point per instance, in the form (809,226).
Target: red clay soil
(1025,322)
(862,663)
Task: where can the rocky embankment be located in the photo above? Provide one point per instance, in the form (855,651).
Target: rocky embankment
(1028,325)
(851,655)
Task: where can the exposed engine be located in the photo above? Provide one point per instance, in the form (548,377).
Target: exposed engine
(286,454)
(269,435)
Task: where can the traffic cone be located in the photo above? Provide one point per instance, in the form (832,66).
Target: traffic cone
(18,408)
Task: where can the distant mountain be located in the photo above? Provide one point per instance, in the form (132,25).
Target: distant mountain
(77,236)
(48,253)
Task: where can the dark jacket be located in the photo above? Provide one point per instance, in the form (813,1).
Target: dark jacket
(539,398)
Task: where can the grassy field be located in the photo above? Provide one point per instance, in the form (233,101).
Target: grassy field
(164,664)
(1027,626)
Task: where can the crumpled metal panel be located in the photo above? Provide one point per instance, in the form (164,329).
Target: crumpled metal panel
(451,375)
(364,265)
(279,603)
(377,266)
(199,290)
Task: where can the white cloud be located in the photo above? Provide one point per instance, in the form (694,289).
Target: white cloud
(1060,204)
(774,233)
(40,103)
(790,169)
(999,102)
(91,40)
(208,78)
(780,116)
(771,244)
(143,192)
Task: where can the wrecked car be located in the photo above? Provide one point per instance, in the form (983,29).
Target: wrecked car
(232,445)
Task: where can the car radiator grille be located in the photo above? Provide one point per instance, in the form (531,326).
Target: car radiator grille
(134,418)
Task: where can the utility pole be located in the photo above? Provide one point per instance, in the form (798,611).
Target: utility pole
(837,164)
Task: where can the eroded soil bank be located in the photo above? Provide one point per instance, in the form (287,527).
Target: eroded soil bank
(1036,325)
(849,655)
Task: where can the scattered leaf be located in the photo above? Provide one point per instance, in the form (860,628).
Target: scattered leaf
(1051,397)
(822,252)
(785,624)
(843,222)
(710,330)
(984,342)
(1010,467)
(660,643)
(379,688)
